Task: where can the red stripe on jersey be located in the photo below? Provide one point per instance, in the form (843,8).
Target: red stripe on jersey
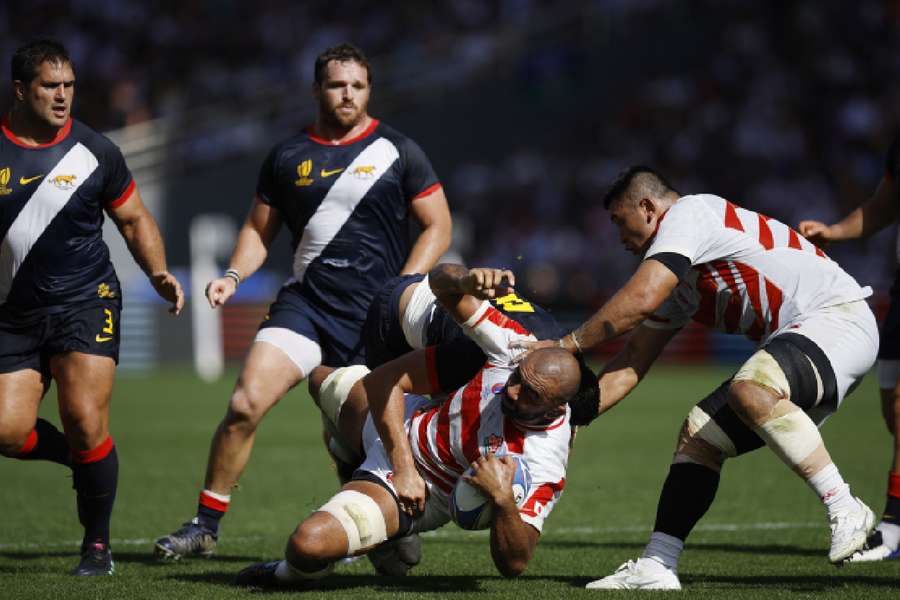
(427,191)
(61,134)
(731,320)
(819,252)
(794,240)
(470,418)
(731,219)
(765,234)
(426,459)
(708,288)
(442,439)
(775,299)
(83,457)
(30,442)
(435,479)
(502,321)
(751,284)
(431,368)
(542,495)
(894,485)
(368,130)
(515,437)
(213,503)
(124,197)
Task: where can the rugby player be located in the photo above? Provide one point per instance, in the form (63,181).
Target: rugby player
(345,189)
(60,298)
(882,209)
(415,452)
(744,273)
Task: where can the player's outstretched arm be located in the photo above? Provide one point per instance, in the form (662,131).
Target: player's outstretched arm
(144,241)
(433,215)
(461,291)
(384,389)
(882,209)
(512,540)
(256,235)
(628,367)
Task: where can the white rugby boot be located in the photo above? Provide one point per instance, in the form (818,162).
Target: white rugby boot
(640,574)
(849,530)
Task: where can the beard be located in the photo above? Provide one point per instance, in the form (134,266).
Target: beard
(338,120)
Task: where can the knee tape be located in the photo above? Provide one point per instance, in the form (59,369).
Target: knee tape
(701,427)
(793,436)
(336,388)
(763,369)
(414,320)
(360,517)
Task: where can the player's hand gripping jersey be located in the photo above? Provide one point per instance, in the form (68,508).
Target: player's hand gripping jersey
(749,274)
(447,438)
(347,208)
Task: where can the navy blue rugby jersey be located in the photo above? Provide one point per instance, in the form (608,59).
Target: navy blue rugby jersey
(347,208)
(52,198)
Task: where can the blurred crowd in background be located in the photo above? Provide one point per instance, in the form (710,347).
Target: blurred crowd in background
(783,107)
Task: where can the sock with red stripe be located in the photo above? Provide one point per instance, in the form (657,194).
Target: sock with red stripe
(211,508)
(46,442)
(96,476)
(892,507)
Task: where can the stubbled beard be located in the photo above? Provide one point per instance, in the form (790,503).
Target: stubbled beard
(333,120)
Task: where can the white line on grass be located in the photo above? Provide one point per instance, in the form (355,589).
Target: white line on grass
(452,532)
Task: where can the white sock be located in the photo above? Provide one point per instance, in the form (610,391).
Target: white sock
(890,534)
(285,572)
(664,549)
(833,491)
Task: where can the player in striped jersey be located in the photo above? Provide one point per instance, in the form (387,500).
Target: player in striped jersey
(879,211)
(415,452)
(744,273)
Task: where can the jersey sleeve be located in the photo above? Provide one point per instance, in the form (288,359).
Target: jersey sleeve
(546,454)
(419,178)
(680,232)
(493,332)
(892,161)
(118,183)
(671,315)
(267,183)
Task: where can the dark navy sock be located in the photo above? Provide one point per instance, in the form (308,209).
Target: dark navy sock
(686,496)
(96,476)
(892,506)
(210,511)
(46,442)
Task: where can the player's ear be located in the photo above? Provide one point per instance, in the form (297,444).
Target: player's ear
(19,89)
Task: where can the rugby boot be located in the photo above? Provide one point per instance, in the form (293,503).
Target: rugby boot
(395,558)
(876,548)
(640,574)
(96,559)
(192,539)
(259,575)
(849,530)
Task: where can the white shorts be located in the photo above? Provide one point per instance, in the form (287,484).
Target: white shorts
(378,464)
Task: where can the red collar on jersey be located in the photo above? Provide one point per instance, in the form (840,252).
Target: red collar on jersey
(368,131)
(557,423)
(659,222)
(60,135)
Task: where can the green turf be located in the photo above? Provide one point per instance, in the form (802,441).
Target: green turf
(162,426)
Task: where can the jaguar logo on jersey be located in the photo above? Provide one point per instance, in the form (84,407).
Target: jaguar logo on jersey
(103,291)
(304,169)
(5,174)
(64,182)
(364,172)
(493,443)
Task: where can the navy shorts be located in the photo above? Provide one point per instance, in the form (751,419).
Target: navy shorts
(382,332)
(90,328)
(889,347)
(339,338)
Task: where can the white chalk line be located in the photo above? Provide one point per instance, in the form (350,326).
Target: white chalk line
(450,532)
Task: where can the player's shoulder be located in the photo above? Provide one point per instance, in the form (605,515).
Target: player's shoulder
(95,141)
(290,146)
(404,143)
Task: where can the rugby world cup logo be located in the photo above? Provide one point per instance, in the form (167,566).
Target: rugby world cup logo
(5,174)
(304,169)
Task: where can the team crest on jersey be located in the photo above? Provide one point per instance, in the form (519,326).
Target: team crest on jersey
(497,388)
(103,291)
(64,182)
(5,174)
(493,443)
(364,172)
(304,170)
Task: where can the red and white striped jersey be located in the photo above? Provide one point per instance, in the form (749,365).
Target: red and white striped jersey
(446,439)
(751,274)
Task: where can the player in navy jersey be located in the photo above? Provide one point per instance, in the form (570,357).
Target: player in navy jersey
(59,296)
(879,211)
(345,189)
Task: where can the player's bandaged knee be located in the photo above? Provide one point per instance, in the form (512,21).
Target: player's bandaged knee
(336,388)
(702,441)
(792,435)
(763,369)
(361,518)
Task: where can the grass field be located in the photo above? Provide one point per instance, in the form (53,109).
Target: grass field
(766,535)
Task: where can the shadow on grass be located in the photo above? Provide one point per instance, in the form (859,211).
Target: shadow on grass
(784,549)
(144,558)
(794,583)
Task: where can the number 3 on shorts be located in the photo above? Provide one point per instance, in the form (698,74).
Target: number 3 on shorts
(108,330)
